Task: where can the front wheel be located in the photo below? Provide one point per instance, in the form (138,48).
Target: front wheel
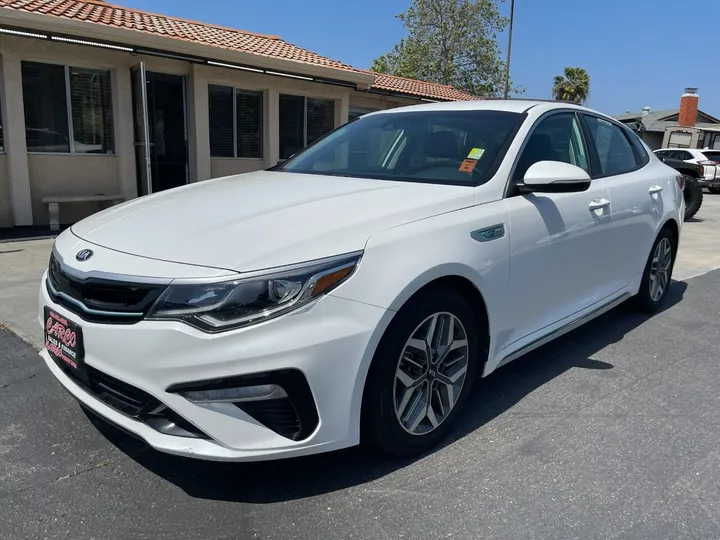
(658,273)
(421,374)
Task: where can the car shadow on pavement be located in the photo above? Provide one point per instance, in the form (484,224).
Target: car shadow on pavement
(298,478)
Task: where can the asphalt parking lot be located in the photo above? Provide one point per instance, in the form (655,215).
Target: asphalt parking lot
(613,431)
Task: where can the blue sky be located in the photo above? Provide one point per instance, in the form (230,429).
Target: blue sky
(637,52)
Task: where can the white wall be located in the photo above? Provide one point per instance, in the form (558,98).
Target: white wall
(227,166)
(6,216)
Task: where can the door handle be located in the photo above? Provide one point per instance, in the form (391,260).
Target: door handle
(597,204)
(655,189)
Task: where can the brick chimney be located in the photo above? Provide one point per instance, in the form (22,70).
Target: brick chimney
(688,108)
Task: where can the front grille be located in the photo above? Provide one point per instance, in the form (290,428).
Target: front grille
(131,401)
(101,300)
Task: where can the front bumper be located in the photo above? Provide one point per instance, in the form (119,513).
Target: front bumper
(329,342)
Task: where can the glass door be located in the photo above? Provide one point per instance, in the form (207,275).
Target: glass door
(142,129)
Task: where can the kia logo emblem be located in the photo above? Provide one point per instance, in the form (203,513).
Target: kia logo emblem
(84,254)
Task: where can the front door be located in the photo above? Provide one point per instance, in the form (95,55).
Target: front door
(161,147)
(636,199)
(560,253)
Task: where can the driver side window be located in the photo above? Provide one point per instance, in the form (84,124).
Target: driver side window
(556,138)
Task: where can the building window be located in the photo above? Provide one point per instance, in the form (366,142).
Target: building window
(303,121)
(235,122)
(2,138)
(67,109)
(356,112)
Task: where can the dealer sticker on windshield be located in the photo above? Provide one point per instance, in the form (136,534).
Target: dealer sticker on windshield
(476,153)
(468,165)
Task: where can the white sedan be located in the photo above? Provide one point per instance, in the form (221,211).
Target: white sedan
(355,292)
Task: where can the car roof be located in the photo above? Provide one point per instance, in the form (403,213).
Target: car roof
(510,105)
(691,150)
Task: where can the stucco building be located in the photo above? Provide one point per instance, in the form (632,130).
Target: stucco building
(99,99)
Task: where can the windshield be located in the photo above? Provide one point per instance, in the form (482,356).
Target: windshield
(445,147)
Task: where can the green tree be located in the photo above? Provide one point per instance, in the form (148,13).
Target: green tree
(573,86)
(451,42)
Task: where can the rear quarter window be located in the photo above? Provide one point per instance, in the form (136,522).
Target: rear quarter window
(619,150)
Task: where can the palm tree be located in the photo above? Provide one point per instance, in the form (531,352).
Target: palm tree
(574,86)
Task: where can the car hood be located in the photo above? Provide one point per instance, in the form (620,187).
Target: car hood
(265,219)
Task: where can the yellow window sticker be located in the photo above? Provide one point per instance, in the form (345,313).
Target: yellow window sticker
(476,153)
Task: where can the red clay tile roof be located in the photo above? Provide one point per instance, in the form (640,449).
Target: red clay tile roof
(172,27)
(420,88)
(100,12)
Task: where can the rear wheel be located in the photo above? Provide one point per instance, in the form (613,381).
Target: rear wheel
(421,374)
(714,190)
(693,194)
(658,273)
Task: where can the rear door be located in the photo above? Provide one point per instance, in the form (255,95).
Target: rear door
(621,161)
(558,241)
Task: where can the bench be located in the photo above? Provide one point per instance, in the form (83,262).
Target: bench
(54,202)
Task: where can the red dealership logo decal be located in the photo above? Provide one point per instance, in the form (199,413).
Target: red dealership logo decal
(60,339)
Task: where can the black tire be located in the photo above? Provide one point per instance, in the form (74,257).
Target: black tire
(643,301)
(693,194)
(380,426)
(714,190)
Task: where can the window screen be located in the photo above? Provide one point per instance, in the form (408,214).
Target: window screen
(292,125)
(248,123)
(356,112)
(91,107)
(303,121)
(45,104)
(320,118)
(51,116)
(236,118)
(221,121)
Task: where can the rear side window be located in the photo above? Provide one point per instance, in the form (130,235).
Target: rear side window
(641,155)
(713,155)
(614,151)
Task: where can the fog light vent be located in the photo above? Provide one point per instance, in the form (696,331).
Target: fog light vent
(235,395)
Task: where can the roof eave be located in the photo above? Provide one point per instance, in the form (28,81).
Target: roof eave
(91,30)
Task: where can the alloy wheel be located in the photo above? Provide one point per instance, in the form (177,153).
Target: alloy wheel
(431,373)
(660,269)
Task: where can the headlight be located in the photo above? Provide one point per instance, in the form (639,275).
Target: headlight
(217,307)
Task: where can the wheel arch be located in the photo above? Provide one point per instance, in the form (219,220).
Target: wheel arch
(457,277)
(689,172)
(671,224)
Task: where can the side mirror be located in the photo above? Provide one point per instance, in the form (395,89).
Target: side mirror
(555,177)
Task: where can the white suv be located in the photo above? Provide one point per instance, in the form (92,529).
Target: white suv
(709,159)
(356,291)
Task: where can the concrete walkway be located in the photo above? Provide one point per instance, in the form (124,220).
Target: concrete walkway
(21,267)
(23,263)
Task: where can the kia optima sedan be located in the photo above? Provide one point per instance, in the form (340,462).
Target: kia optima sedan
(354,292)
